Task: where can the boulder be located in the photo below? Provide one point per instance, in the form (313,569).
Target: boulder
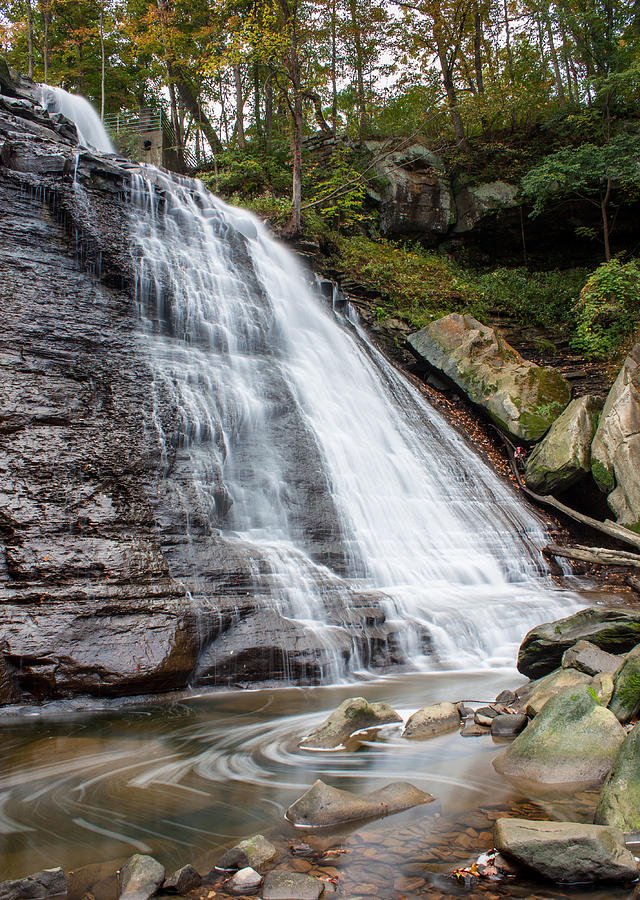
(520,397)
(474,202)
(281,885)
(616,630)
(546,688)
(48,883)
(245,881)
(563,456)
(572,742)
(619,802)
(432,720)
(602,683)
(325,805)
(589,658)
(567,852)
(508,726)
(254,852)
(615,452)
(485,715)
(354,714)
(625,700)
(182,881)
(140,877)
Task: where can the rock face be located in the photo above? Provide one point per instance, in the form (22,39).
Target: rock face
(563,457)
(48,883)
(616,630)
(521,397)
(354,714)
(324,805)
(615,452)
(567,852)
(474,202)
(572,742)
(625,700)
(619,803)
(432,720)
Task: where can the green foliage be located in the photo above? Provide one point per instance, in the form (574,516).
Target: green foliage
(545,299)
(339,190)
(608,310)
(247,174)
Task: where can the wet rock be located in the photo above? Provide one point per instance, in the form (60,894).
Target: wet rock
(616,630)
(546,688)
(507,698)
(254,852)
(572,742)
(325,805)
(280,885)
(354,714)
(589,658)
(567,852)
(603,686)
(48,883)
(432,720)
(519,396)
(472,729)
(182,881)
(508,726)
(140,878)
(625,700)
(245,881)
(563,457)
(474,202)
(619,802)
(615,452)
(485,715)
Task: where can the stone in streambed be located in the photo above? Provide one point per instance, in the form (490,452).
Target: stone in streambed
(48,883)
(567,852)
(619,803)
(354,714)
(280,885)
(546,688)
(254,852)
(245,881)
(182,881)
(616,630)
(625,700)
(140,878)
(485,715)
(603,686)
(508,726)
(324,805)
(439,718)
(572,742)
(590,659)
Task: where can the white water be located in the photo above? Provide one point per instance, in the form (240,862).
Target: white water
(91,131)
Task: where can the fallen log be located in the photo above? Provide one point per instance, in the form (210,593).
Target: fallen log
(601,556)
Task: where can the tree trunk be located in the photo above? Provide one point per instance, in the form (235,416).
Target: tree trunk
(30,36)
(191,104)
(334,80)
(177,131)
(554,60)
(477,47)
(357,40)
(507,27)
(237,80)
(102,61)
(447,80)
(45,40)
(256,101)
(268,112)
(604,203)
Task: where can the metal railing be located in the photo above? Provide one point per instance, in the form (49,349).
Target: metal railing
(134,121)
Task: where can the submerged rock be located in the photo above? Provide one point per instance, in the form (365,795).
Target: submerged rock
(324,805)
(48,883)
(616,630)
(432,720)
(625,700)
(619,802)
(245,881)
(572,742)
(354,714)
(519,396)
(254,852)
(280,885)
(140,878)
(567,852)
(563,457)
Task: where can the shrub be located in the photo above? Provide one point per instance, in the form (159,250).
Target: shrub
(608,310)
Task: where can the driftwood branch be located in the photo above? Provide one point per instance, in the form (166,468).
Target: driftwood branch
(612,529)
(601,556)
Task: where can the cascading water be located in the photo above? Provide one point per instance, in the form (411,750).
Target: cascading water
(91,131)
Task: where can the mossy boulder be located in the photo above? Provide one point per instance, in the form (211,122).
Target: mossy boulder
(563,457)
(619,802)
(255,852)
(545,688)
(614,629)
(615,451)
(354,714)
(519,396)
(625,700)
(572,743)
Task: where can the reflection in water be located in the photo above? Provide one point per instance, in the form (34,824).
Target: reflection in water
(186,779)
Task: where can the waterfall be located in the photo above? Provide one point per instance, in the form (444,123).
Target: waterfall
(91,131)
(313,476)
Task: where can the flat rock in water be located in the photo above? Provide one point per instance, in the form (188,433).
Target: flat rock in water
(567,852)
(590,659)
(572,742)
(281,885)
(471,728)
(619,803)
(47,883)
(254,852)
(430,721)
(508,726)
(354,714)
(616,630)
(182,881)
(141,876)
(324,805)
(245,881)
(625,700)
